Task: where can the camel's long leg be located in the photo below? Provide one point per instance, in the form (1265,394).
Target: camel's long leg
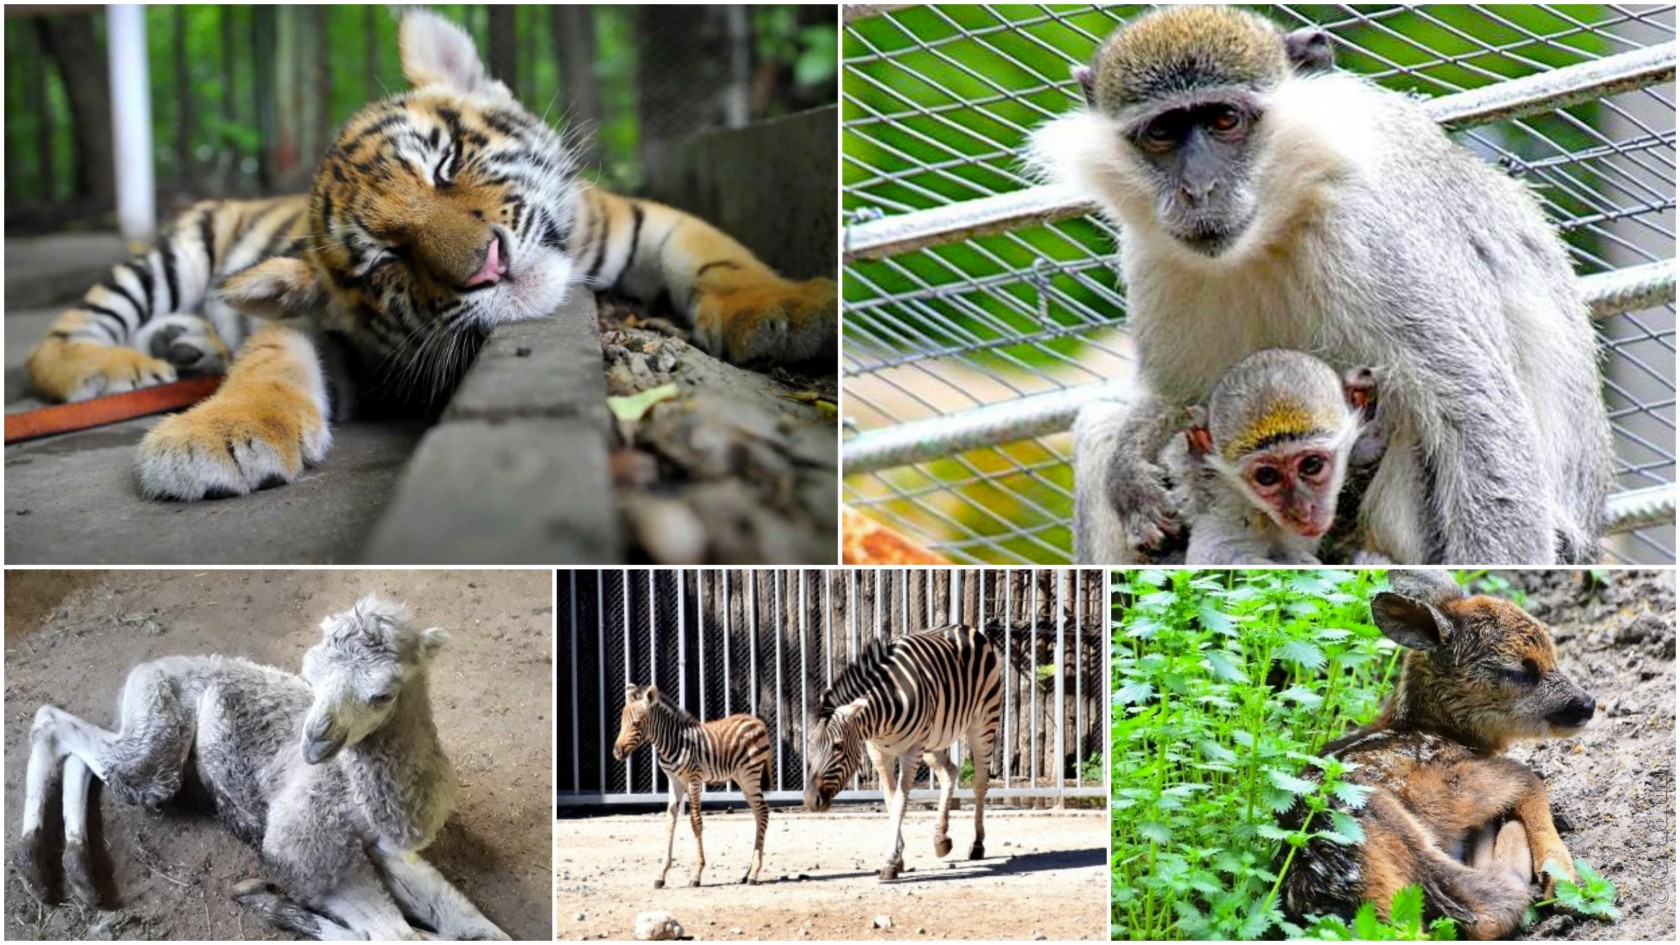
(946,771)
(283,912)
(423,892)
(670,829)
(694,819)
(752,787)
(981,744)
(900,801)
(78,868)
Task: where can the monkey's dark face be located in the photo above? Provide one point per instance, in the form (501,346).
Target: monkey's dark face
(1200,156)
(1296,485)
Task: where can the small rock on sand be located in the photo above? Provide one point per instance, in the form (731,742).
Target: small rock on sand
(658,927)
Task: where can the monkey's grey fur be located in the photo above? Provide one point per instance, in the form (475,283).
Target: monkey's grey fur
(1374,240)
(335,776)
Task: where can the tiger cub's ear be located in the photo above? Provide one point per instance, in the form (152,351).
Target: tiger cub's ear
(279,287)
(437,52)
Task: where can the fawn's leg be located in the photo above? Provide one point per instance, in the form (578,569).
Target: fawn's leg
(946,771)
(1486,903)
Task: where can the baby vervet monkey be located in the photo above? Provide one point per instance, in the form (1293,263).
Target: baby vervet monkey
(1263,464)
(1258,475)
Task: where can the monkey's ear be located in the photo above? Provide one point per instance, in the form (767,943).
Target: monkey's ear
(1410,622)
(1309,50)
(1087,79)
(1196,435)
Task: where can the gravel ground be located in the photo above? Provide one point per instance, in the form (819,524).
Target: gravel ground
(1612,786)
(1045,877)
(71,639)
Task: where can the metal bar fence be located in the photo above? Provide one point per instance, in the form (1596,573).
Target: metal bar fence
(773,649)
(982,312)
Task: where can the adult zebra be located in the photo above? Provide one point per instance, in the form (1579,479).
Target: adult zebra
(693,754)
(911,696)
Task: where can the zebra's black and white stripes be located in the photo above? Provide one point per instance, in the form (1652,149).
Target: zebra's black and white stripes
(693,754)
(915,695)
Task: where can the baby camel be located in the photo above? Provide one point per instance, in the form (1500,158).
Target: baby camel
(336,777)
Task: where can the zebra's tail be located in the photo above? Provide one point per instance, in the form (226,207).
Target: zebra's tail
(764,774)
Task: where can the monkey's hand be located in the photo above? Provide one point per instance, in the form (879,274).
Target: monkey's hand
(1149,517)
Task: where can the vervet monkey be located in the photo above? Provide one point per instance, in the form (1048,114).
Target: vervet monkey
(1261,470)
(1265,201)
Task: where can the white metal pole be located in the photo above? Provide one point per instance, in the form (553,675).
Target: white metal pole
(131,124)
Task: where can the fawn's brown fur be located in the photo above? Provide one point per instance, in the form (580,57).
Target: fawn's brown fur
(1448,811)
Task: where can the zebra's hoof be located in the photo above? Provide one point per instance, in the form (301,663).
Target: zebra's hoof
(890,871)
(694,883)
(942,846)
(659,884)
(978,851)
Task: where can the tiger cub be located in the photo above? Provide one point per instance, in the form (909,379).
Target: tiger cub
(436,215)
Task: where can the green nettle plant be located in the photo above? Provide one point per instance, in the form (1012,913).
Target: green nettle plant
(1226,684)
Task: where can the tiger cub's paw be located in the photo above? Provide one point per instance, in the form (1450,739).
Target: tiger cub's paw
(188,342)
(232,444)
(775,322)
(80,370)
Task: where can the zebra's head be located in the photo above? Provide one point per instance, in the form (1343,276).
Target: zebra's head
(836,752)
(632,733)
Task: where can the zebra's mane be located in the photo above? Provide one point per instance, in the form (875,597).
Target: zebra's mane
(855,680)
(682,714)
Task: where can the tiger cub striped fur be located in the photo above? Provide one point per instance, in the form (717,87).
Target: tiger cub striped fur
(436,215)
(693,754)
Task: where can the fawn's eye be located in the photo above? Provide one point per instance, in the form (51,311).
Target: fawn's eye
(1526,675)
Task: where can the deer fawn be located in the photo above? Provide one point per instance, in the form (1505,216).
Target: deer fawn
(1447,810)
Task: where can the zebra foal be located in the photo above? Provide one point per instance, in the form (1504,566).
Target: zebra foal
(915,695)
(693,754)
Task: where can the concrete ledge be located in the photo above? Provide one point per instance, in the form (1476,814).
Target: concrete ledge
(516,471)
(50,270)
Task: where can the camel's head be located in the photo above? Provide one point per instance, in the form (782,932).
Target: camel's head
(366,659)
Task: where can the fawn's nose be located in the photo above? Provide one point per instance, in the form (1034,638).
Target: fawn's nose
(1574,713)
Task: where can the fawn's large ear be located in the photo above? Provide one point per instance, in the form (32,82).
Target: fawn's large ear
(278,287)
(1430,586)
(1410,622)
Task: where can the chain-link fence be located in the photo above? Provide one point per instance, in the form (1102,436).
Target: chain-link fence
(982,312)
(768,642)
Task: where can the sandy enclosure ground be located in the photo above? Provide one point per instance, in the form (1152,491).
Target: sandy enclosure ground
(172,871)
(1045,876)
(1612,786)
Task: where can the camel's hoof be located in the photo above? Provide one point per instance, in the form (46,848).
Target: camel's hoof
(32,863)
(659,884)
(978,851)
(78,876)
(942,846)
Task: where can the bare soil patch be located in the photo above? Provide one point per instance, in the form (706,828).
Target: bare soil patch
(172,872)
(1612,786)
(1045,876)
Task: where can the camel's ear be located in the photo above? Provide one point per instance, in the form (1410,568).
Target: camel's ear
(651,695)
(431,641)
(279,287)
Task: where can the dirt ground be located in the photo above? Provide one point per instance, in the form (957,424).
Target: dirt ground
(1612,786)
(173,871)
(1045,877)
